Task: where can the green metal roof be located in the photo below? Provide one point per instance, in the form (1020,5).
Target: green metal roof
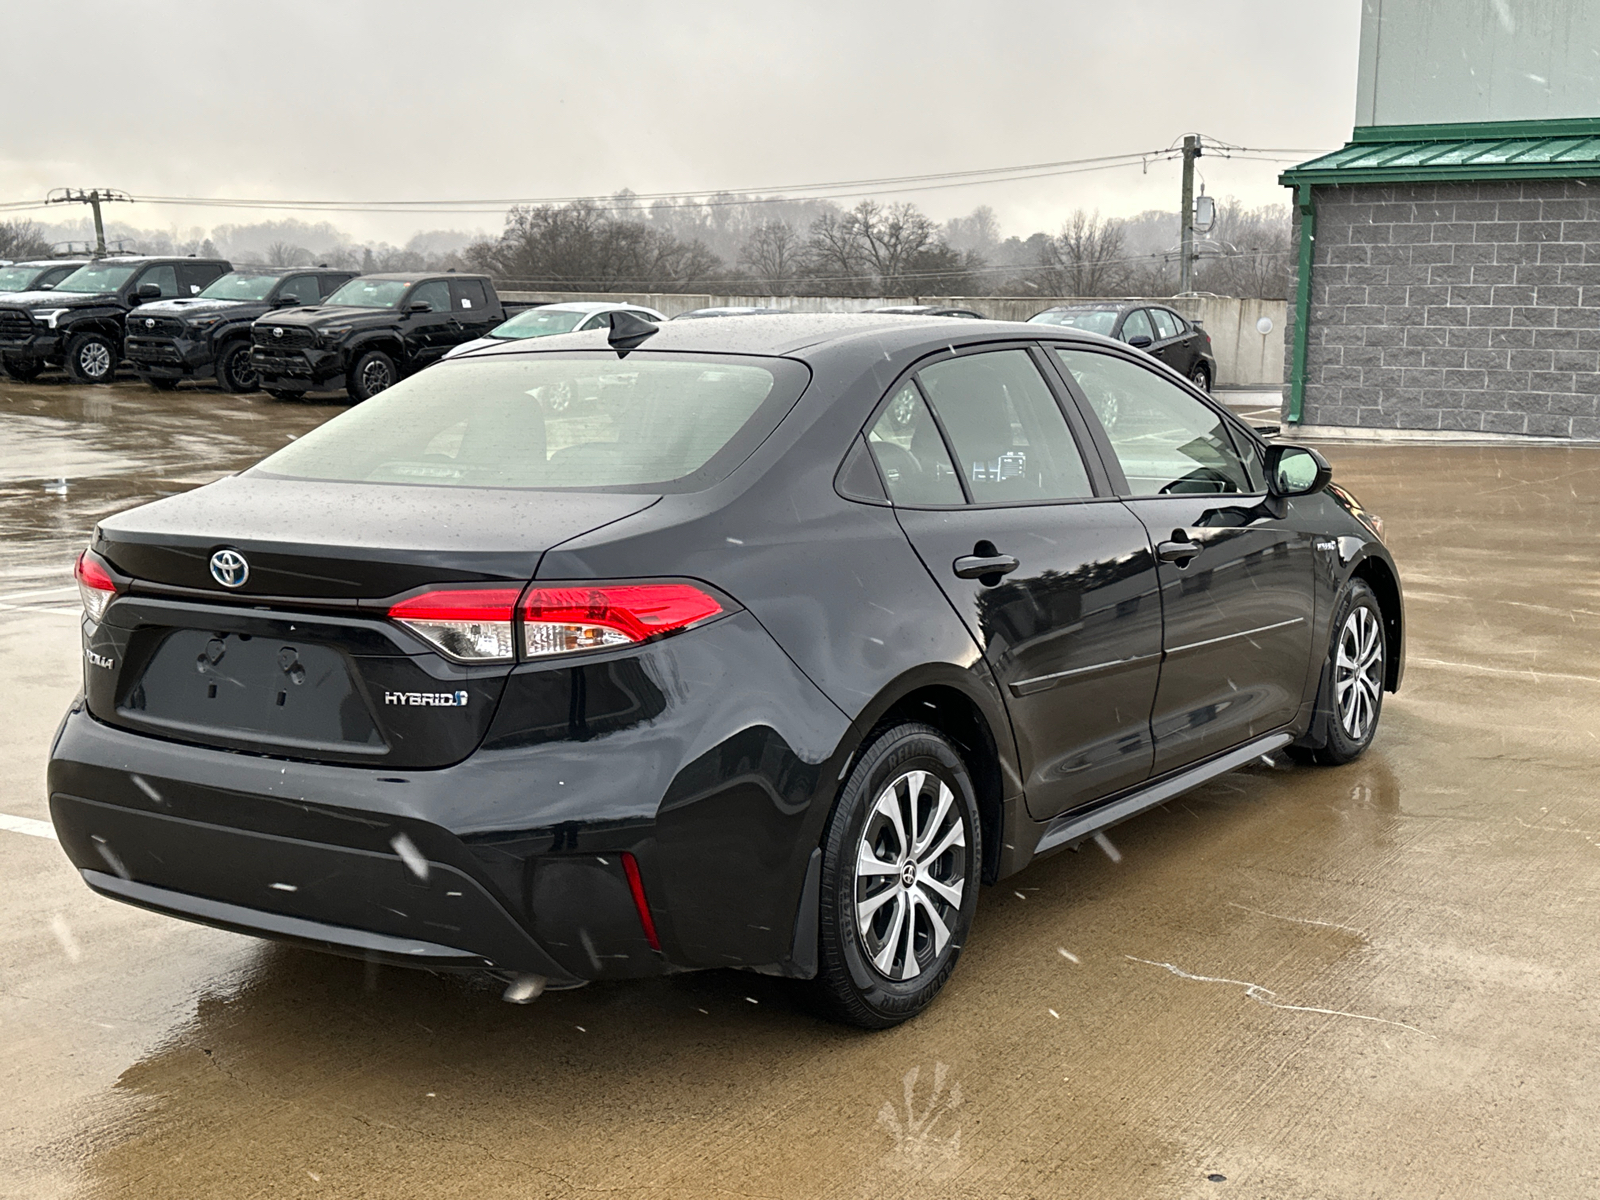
(1504,150)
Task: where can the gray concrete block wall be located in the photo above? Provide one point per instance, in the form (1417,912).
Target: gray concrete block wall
(1455,306)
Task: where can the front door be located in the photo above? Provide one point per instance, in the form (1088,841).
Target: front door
(1236,576)
(428,334)
(1054,578)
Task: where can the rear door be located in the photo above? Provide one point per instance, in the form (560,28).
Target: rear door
(1009,509)
(469,305)
(1236,576)
(1169,345)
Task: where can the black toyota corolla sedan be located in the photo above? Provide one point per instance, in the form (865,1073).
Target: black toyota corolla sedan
(714,664)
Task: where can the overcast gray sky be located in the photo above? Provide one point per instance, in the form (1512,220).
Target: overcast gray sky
(405,99)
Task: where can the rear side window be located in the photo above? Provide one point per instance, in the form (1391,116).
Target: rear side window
(1006,430)
(332,283)
(467,295)
(1166,327)
(1166,441)
(193,277)
(911,454)
(647,423)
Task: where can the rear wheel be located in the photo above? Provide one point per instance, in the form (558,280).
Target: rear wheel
(234,370)
(91,358)
(1200,377)
(900,873)
(372,373)
(1351,696)
(281,394)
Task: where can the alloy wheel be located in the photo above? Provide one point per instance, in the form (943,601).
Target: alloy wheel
(94,360)
(244,373)
(375,377)
(911,869)
(1358,672)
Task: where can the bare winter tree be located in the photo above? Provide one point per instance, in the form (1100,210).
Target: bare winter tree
(1086,258)
(1246,253)
(774,254)
(22,239)
(286,254)
(583,247)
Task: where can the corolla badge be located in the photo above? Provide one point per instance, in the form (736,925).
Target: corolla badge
(229,568)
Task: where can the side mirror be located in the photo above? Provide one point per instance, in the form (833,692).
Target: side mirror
(285,301)
(1295,470)
(419,306)
(1139,342)
(45,287)
(149,291)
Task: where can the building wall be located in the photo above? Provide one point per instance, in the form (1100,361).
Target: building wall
(1456,306)
(1246,358)
(1430,61)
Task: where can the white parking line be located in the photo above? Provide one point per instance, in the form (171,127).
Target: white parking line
(28,826)
(56,591)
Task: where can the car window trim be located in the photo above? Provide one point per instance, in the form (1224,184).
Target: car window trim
(1100,479)
(1103,441)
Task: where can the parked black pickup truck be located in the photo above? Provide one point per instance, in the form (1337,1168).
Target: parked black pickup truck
(79,322)
(171,340)
(38,276)
(372,332)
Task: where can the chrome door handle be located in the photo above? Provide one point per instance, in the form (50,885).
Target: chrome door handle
(975,566)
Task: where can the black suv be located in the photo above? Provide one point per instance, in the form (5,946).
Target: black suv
(40,275)
(371,332)
(78,323)
(172,340)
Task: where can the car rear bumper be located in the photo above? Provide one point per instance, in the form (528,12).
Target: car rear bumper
(708,757)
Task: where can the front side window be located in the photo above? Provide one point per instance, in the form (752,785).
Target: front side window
(911,454)
(370,293)
(645,424)
(302,289)
(165,278)
(435,294)
(1006,430)
(1137,325)
(1166,441)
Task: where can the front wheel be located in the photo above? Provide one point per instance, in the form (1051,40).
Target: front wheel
(1352,678)
(235,372)
(92,358)
(900,871)
(373,372)
(22,370)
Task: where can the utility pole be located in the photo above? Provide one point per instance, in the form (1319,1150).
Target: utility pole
(1191,151)
(93,199)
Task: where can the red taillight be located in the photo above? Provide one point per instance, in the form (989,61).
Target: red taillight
(471,625)
(95,585)
(559,620)
(636,885)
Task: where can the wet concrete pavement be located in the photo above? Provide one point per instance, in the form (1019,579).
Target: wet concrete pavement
(1376,980)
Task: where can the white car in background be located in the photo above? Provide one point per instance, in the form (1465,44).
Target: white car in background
(549,319)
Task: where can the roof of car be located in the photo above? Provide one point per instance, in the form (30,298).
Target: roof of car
(50,262)
(418,276)
(591,306)
(323,269)
(788,333)
(160,258)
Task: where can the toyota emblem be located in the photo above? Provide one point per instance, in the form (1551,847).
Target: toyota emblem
(229,568)
(277,331)
(149,322)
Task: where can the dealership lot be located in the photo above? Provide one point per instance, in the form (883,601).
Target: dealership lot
(1369,980)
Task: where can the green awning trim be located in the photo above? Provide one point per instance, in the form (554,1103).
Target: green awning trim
(1564,149)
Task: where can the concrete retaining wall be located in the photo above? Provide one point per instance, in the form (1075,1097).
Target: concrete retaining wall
(1245,358)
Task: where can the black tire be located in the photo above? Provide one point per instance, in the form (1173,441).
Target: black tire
(160,384)
(281,394)
(23,372)
(1200,376)
(1347,674)
(92,358)
(852,981)
(373,372)
(235,372)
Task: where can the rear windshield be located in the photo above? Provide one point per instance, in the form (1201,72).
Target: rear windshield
(646,423)
(538,322)
(1094,320)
